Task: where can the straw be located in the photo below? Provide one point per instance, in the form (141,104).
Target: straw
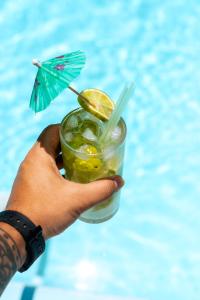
(116,114)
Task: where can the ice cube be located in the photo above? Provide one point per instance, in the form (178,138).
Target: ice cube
(89,149)
(89,135)
(81,152)
(83,147)
(72,122)
(116,134)
(94,127)
(87,116)
(108,152)
(68,136)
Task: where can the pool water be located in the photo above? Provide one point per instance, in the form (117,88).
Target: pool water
(151,248)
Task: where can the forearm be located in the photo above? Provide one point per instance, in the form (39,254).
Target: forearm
(12,253)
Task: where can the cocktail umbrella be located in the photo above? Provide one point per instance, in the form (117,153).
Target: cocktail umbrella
(53,76)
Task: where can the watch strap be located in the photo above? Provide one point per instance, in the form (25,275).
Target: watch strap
(32,234)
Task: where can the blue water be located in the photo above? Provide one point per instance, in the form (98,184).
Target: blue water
(151,248)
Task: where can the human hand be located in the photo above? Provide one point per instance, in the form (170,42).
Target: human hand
(45,197)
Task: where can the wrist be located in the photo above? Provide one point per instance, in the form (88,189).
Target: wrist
(32,235)
(19,241)
(30,214)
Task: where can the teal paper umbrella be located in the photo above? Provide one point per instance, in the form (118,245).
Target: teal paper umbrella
(53,76)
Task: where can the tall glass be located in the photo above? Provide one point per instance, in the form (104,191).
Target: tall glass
(85,160)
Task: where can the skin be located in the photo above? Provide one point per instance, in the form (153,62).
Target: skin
(46,198)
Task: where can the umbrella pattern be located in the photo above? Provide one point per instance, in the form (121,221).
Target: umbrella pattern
(53,76)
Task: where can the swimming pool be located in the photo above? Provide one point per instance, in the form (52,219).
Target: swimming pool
(151,248)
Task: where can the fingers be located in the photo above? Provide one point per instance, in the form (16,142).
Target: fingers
(46,151)
(97,191)
(47,145)
(49,140)
(59,162)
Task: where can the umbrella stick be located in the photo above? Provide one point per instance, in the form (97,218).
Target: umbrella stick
(85,99)
(77,93)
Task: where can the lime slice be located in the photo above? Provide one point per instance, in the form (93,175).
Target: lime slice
(90,165)
(97,103)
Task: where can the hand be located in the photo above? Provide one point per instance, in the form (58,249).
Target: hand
(45,197)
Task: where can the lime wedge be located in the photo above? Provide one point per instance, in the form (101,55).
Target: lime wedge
(97,103)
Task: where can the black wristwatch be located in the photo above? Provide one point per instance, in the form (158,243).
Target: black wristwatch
(35,244)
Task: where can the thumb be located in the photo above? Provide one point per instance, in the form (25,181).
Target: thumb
(99,190)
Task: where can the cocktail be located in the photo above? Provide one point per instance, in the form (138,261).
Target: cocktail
(87,159)
(92,137)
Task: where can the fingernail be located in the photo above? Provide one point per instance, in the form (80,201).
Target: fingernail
(119,182)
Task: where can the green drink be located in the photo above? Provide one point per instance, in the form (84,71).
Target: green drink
(86,160)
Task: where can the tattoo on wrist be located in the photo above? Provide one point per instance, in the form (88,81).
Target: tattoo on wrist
(10,259)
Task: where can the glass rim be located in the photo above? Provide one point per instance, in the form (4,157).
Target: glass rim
(115,148)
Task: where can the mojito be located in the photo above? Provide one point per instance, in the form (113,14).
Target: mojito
(86,159)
